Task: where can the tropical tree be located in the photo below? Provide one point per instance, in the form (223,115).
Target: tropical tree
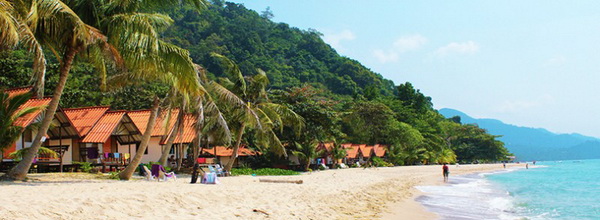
(260,114)
(337,153)
(18,21)
(306,152)
(65,34)
(10,111)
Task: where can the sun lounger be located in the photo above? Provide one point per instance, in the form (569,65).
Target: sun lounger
(219,172)
(160,173)
(148,173)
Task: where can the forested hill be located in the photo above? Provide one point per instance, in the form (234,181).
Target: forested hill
(290,56)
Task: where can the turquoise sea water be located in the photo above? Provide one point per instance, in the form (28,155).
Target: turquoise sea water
(553,190)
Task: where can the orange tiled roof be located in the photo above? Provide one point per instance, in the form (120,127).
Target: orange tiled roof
(28,119)
(83,119)
(347,145)
(140,119)
(379,150)
(17,91)
(189,131)
(325,146)
(366,150)
(352,150)
(104,127)
(222,151)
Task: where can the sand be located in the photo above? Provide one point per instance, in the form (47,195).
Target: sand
(356,193)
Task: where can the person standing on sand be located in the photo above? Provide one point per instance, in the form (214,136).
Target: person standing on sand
(504,164)
(446,172)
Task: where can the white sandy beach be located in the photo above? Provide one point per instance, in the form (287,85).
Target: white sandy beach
(357,193)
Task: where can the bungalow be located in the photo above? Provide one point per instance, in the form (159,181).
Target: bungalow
(380,150)
(57,138)
(163,126)
(352,152)
(325,157)
(184,138)
(223,154)
(113,133)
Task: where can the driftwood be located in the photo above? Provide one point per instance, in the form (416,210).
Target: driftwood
(281,181)
(261,211)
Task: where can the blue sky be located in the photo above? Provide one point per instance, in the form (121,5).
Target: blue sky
(528,63)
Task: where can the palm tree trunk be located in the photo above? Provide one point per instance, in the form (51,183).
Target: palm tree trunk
(180,159)
(176,131)
(307,166)
(130,169)
(19,172)
(236,148)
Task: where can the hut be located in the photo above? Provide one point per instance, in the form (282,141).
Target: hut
(163,126)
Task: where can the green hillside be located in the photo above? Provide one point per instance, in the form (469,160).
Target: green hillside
(290,56)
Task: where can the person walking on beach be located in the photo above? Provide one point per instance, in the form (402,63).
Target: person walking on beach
(446,172)
(504,164)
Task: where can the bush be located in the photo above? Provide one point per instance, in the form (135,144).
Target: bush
(84,166)
(378,162)
(262,172)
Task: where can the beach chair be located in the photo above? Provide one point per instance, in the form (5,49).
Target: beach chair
(217,171)
(148,173)
(161,174)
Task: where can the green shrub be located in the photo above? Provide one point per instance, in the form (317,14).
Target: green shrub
(378,162)
(262,172)
(84,166)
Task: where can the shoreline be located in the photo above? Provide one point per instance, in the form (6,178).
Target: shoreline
(412,209)
(356,193)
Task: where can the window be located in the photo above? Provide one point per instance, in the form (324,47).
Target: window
(137,146)
(172,151)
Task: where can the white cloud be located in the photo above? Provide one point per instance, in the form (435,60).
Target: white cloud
(412,42)
(468,47)
(385,56)
(334,39)
(400,45)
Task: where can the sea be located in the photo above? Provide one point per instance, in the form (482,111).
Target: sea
(552,190)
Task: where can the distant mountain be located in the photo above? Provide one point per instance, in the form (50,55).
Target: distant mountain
(535,143)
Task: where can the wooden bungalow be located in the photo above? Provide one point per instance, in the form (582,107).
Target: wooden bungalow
(223,154)
(113,133)
(164,125)
(183,139)
(325,157)
(352,153)
(57,138)
(380,150)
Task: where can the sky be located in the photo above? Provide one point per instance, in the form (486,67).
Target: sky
(532,63)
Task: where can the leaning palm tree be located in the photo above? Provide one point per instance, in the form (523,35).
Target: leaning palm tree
(10,111)
(65,34)
(260,115)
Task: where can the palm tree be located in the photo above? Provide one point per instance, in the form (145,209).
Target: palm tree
(10,111)
(306,153)
(337,153)
(66,35)
(18,19)
(259,114)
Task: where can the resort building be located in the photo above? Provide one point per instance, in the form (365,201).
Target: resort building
(223,154)
(163,126)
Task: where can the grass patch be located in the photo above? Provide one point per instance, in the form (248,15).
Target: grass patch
(263,172)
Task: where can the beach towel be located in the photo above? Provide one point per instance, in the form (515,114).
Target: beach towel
(210,178)
(117,155)
(126,156)
(201,160)
(155,169)
(105,155)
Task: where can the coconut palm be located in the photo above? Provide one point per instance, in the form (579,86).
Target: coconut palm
(10,111)
(259,115)
(306,153)
(337,153)
(18,19)
(66,35)
(18,155)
